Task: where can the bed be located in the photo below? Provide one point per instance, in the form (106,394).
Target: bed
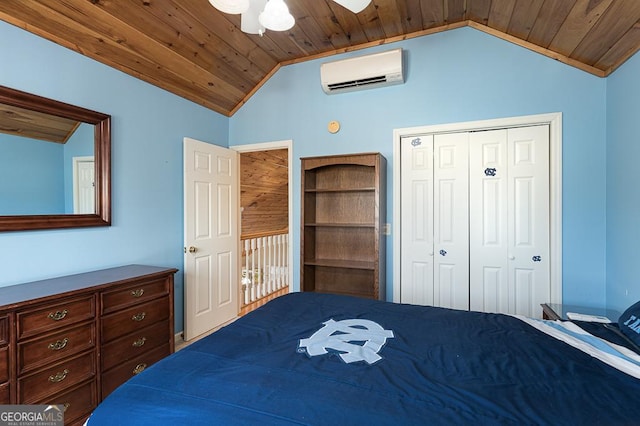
(322,359)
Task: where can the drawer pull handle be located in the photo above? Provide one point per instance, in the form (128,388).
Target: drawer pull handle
(58,315)
(65,406)
(139,317)
(140,342)
(60,376)
(137,293)
(60,344)
(139,368)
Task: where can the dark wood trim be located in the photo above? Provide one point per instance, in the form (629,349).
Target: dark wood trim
(548,313)
(102,154)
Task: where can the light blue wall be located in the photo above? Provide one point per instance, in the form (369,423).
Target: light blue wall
(455,76)
(623,181)
(148,125)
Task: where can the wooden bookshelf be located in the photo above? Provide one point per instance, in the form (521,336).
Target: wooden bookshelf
(343,210)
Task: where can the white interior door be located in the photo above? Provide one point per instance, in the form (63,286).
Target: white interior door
(84,199)
(211,236)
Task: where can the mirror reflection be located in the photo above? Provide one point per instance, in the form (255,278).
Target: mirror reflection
(46,164)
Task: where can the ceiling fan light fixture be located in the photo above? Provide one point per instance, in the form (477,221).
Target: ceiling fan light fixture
(276,16)
(356,6)
(249,20)
(232,7)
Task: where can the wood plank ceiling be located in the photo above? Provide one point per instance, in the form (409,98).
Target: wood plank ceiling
(36,125)
(191,49)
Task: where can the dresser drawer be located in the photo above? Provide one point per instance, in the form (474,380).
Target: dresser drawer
(53,316)
(55,346)
(124,322)
(117,376)
(5,397)
(4,330)
(4,364)
(79,401)
(134,344)
(57,378)
(134,294)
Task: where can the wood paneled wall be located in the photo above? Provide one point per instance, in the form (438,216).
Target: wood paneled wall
(264,188)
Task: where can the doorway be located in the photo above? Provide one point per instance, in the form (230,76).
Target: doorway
(266,222)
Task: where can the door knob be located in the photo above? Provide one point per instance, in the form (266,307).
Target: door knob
(192,249)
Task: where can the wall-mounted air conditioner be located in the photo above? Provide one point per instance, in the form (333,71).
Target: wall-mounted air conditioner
(363,72)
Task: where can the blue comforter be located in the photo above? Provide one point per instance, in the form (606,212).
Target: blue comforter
(290,362)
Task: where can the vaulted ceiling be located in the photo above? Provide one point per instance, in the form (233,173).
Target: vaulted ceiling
(191,49)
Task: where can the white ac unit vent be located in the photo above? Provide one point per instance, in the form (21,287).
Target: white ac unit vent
(362,72)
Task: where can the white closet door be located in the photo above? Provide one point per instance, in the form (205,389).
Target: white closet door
(509,220)
(451,224)
(488,238)
(435,230)
(528,219)
(416,192)
(475,220)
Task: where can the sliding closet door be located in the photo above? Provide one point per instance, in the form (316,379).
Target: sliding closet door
(451,223)
(509,220)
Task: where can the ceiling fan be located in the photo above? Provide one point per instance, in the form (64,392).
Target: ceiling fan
(256,16)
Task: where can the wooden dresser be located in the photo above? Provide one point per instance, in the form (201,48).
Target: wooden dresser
(72,340)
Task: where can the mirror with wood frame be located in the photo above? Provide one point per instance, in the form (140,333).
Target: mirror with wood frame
(55,164)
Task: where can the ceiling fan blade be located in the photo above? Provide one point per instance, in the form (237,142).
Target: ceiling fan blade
(355,6)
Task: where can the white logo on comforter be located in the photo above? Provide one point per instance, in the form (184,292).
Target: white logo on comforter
(355,339)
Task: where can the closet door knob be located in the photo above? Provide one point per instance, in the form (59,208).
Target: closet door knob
(512,258)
